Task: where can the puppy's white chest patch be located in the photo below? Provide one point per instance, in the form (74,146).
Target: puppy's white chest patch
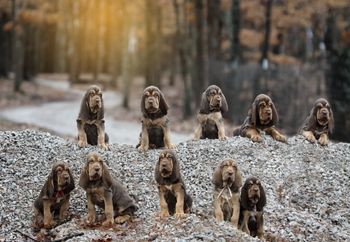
(169,187)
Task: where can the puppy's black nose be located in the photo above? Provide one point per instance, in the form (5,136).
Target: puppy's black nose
(324,111)
(66,177)
(256,189)
(230,173)
(97,169)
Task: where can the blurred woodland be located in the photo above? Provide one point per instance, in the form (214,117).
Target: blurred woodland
(293,50)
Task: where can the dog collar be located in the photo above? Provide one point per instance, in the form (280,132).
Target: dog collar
(59,194)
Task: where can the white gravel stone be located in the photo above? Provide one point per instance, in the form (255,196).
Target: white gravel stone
(307,187)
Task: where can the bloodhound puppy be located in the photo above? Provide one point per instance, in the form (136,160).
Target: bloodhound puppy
(90,122)
(227,181)
(155,124)
(252,203)
(172,191)
(262,116)
(54,197)
(211,122)
(105,192)
(319,123)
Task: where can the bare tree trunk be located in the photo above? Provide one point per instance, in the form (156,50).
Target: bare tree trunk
(151,64)
(116,23)
(236,27)
(180,46)
(200,80)
(101,37)
(75,43)
(127,61)
(18,51)
(266,44)
(61,39)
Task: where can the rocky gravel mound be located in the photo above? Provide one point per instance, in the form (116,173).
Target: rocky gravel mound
(307,186)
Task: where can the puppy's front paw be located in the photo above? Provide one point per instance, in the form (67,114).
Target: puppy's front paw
(49,224)
(82,143)
(103,146)
(164,214)
(142,148)
(171,146)
(256,138)
(108,222)
(90,219)
(223,138)
(180,215)
(281,138)
(121,219)
(323,140)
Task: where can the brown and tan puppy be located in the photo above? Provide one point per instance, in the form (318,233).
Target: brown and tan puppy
(227,181)
(172,191)
(211,122)
(253,200)
(105,192)
(90,122)
(54,197)
(262,116)
(319,123)
(155,124)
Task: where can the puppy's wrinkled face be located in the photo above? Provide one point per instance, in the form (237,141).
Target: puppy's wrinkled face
(265,111)
(166,164)
(214,97)
(63,175)
(152,98)
(95,99)
(228,172)
(95,167)
(323,113)
(254,190)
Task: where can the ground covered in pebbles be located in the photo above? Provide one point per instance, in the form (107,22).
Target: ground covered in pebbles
(307,188)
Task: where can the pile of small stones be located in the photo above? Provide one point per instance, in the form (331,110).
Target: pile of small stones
(307,188)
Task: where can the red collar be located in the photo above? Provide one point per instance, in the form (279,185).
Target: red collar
(59,194)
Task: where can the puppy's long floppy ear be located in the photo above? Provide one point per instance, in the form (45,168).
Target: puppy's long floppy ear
(204,106)
(262,200)
(84,106)
(163,105)
(244,195)
(143,108)
(311,120)
(101,112)
(331,121)
(238,179)
(84,177)
(217,177)
(253,112)
(51,184)
(106,176)
(71,184)
(157,176)
(224,106)
(274,114)
(175,175)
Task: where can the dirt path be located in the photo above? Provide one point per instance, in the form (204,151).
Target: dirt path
(60,117)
